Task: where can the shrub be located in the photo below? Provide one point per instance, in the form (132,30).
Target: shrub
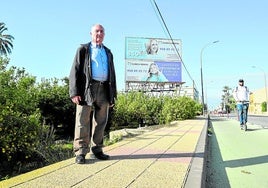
(264,106)
(134,109)
(25,143)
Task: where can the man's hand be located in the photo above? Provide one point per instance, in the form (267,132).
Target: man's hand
(76,99)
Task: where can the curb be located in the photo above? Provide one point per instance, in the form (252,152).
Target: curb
(196,175)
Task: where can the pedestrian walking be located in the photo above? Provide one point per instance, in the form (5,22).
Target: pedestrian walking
(241,96)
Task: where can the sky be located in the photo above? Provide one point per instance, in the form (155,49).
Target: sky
(47,34)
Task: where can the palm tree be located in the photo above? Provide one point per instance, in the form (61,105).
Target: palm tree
(5,41)
(227,99)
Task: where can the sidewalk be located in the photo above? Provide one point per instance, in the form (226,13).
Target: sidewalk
(171,156)
(237,158)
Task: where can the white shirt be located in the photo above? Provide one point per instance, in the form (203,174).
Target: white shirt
(241,94)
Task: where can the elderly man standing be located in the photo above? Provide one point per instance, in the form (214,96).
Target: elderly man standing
(92,87)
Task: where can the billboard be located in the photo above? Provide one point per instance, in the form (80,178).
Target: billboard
(153,71)
(152,48)
(152,60)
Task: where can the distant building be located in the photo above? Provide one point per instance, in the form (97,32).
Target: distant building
(190,91)
(257,97)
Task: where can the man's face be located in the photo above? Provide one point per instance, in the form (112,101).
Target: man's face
(241,83)
(97,34)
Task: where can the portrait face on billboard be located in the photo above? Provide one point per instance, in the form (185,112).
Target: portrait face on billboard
(154,74)
(152,46)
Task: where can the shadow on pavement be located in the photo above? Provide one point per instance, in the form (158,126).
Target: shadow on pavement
(246,161)
(157,155)
(255,129)
(216,174)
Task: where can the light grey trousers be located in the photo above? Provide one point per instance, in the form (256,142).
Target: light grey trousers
(89,130)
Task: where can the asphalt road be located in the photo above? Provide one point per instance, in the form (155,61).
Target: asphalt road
(258,120)
(261,120)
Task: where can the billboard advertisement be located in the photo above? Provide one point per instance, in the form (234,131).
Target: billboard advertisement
(153,71)
(152,60)
(152,48)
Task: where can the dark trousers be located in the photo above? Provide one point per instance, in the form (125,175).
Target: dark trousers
(89,130)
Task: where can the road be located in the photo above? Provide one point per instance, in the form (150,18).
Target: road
(258,120)
(261,120)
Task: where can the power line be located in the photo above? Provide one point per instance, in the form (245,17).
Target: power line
(167,30)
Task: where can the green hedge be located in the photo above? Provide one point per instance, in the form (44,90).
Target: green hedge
(134,109)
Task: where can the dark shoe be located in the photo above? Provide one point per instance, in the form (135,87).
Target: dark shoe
(245,127)
(101,156)
(80,159)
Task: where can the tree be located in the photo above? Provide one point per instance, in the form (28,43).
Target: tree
(20,124)
(5,41)
(228,102)
(55,105)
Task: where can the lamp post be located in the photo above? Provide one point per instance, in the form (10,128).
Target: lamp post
(201,71)
(265,85)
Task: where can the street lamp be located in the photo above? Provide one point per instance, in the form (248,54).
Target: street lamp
(265,84)
(202,87)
